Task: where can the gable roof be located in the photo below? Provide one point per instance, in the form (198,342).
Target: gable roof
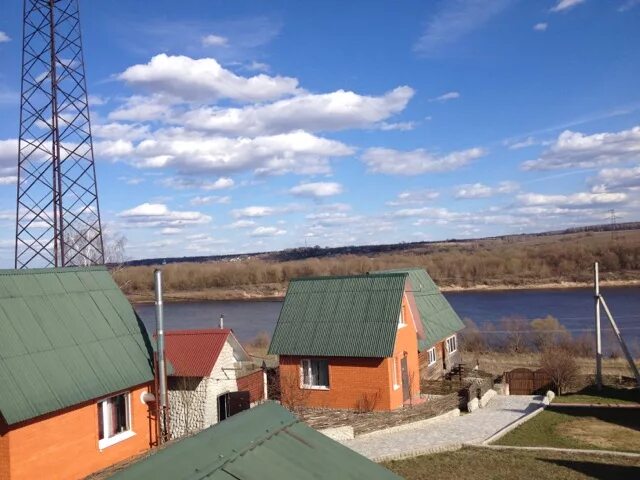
(266,442)
(193,353)
(67,335)
(351,316)
(438,318)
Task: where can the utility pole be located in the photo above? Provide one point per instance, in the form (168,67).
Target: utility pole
(598,335)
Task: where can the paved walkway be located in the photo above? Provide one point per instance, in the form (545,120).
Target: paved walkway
(448,432)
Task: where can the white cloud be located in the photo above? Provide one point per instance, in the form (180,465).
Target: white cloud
(571,201)
(333,111)
(267,232)
(618,178)
(243,224)
(141,108)
(317,189)
(195,183)
(298,152)
(4,37)
(8,180)
(113,148)
(480,190)
(253,212)
(131,180)
(456,19)
(517,145)
(401,126)
(170,231)
(204,79)
(208,200)
(540,27)
(255,66)
(159,215)
(413,198)
(575,149)
(120,131)
(8,161)
(416,162)
(215,41)
(564,5)
(445,97)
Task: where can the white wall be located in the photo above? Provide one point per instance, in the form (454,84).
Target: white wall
(196,406)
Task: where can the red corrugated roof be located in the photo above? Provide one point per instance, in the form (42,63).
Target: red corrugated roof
(193,353)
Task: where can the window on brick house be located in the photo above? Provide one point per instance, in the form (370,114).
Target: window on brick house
(315,373)
(114,420)
(401,320)
(452,345)
(431,355)
(396,384)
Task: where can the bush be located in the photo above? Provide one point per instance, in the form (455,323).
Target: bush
(560,364)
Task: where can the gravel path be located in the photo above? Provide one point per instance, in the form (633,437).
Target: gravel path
(448,432)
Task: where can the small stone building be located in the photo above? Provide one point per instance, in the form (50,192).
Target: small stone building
(207,368)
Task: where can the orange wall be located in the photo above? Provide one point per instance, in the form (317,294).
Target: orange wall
(65,445)
(4,450)
(352,380)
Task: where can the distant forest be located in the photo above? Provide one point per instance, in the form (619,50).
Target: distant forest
(510,261)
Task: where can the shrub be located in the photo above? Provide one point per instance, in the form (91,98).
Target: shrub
(560,364)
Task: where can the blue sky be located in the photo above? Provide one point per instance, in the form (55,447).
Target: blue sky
(224,127)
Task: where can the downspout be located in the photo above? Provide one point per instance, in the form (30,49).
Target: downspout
(162,370)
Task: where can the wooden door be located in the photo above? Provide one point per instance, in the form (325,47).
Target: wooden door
(520,381)
(406,384)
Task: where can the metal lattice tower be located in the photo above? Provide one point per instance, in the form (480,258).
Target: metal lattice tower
(58,218)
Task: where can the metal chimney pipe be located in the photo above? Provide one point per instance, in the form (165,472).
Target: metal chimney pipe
(222,320)
(162,371)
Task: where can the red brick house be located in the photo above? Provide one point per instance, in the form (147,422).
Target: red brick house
(76,366)
(349,342)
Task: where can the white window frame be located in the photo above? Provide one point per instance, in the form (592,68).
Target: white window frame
(450,340)
(302,368)
(401,321)
(118,437)
(432,356)
(394,365)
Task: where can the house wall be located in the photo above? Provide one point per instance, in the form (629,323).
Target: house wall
(406,345)
(445,361)
(351,380)
(193,401)
(186,405)
(355,383)
(4,450)
(254,384)
(66,442)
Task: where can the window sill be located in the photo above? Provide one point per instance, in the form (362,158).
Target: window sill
(120,437)
(396,387)
(432,363)
(314,387)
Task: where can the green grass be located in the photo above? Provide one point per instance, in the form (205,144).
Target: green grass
(487,464)
(606,396)
(583,428)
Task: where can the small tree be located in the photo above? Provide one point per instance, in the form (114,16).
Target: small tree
(560,364)
(516,338)
(548,331)
(292,395)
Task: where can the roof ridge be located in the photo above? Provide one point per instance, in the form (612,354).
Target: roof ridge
(358,275)
(198,331)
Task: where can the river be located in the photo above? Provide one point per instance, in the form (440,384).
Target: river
(574,308)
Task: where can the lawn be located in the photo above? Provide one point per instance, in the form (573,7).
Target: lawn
(487,464)
(607,396)
(584,428)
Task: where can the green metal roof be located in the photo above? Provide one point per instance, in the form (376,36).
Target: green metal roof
(67,335)
(265,443)
(354,316)
(438,318)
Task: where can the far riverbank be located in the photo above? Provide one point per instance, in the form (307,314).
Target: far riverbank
(276,292)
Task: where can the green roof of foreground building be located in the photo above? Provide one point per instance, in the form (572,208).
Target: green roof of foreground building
(351,316)
(67,336)
(265,443)
(439,319)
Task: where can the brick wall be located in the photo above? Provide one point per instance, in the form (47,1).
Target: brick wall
(4,450)
(254,383)
(64,445)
